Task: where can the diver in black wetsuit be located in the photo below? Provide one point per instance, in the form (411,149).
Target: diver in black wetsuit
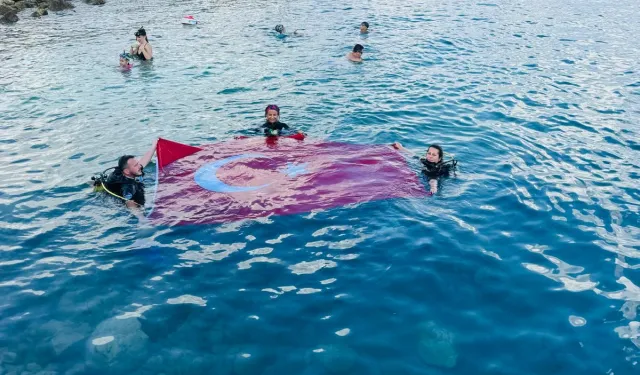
(126,179)
(272,126)
(433,166)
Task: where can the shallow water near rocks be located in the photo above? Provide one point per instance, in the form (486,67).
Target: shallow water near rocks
(525,262)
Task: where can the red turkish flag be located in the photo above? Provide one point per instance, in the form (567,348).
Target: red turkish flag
(259,176)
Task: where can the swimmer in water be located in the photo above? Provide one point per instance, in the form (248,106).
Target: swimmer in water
(433,166)
(272,125)
(364,27)
(124,61)
(282,31)
(142,49)
(356,54)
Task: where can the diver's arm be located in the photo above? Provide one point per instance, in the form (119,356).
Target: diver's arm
(128,192)
(135,209)
(433,183)
(398,146)
(146,158)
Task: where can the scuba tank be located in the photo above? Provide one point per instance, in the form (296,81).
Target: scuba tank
(100,179)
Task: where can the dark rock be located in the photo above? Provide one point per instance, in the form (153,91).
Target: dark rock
(4,9)
(8,2)
(95,2)
(19,6)
(9,17)
(29,3)
(56,5)
(40,12)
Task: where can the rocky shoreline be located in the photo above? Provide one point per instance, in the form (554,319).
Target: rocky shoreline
(9,9)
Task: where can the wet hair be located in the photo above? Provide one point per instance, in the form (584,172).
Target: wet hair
(437,147)
(280,28)
(141,32)
(272,106)
(365,24)
(358,48)
(123,161)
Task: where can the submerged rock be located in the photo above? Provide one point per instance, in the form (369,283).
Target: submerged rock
(9,17)
(336,359)
(55,336)
(19,6)
(56,5)
(118,345)
(247,360)
(4,9)
(163,320)
(435,345)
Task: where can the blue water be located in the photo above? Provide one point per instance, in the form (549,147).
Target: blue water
(525,262)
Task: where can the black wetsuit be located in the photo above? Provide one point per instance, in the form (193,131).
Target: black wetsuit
(274,129)
(435,170)
(127,188)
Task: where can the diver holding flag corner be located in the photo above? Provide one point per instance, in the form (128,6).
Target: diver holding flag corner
(125,180)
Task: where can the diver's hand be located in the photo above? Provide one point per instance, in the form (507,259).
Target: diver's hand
(434,186)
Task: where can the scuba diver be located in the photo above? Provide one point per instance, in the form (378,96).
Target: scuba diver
(433,166)
(272,125)
(125,181)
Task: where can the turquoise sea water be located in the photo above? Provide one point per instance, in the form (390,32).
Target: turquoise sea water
(526,262)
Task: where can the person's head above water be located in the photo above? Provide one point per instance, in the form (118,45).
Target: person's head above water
(279,29)
(124,59)
(364,27)
(130,166)
(272,113)
(141,34)
(434,154)
(358,48)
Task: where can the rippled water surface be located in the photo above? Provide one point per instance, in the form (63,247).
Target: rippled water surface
(525,262)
